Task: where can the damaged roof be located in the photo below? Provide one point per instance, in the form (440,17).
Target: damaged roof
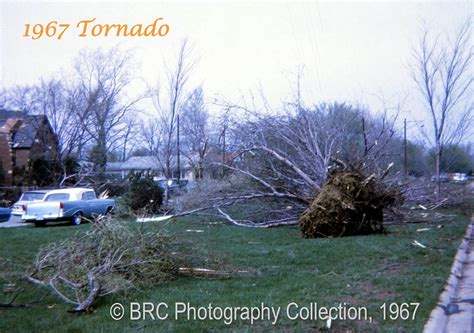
(26,133)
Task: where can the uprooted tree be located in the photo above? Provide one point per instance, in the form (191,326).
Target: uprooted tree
(350,203)
(281,164)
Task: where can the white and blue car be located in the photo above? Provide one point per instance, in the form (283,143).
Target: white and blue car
(71,204)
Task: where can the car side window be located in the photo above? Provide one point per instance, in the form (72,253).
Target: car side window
(88,195)
(57,197)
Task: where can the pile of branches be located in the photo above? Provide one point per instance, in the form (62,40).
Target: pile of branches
(350,203)
(110,258)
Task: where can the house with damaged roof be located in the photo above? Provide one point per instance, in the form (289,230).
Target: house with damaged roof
(23,138)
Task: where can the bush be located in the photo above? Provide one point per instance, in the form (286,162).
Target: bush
(121,209)
(117,188)
(144,194)
(41,171)
(9,196)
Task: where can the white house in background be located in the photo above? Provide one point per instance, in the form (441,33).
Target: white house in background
(146,165)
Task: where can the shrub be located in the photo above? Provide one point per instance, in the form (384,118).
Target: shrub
(117,188)
(144,194)
(41,171)
(9,195)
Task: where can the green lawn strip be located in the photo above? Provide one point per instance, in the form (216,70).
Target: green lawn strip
(283,268)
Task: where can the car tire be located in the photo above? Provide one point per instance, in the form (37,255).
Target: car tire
(76,218)
(40,224)
(109,211)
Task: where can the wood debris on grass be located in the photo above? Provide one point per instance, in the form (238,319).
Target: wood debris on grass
(154,219)
(417,243)
(423,229)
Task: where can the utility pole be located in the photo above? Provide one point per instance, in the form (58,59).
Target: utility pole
(178,157)
(405,148)
(223,150)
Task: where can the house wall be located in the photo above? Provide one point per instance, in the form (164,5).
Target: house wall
(21,157)
(47,145)
(44,146)
(6,167)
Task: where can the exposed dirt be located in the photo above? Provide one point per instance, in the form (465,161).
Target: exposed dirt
(350,203)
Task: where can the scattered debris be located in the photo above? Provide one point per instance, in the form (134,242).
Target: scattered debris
(154,219)
(417,243)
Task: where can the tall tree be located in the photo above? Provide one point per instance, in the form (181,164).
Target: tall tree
(169,99)
(195,132)
(443,75)
(104,77)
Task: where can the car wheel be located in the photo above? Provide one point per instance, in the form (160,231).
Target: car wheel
(40,224)
(109,211)
(77,218)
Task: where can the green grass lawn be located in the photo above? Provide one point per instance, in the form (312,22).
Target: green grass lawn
(283,268)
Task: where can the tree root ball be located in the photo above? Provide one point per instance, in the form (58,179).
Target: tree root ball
(349,204)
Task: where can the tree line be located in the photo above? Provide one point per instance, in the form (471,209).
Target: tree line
(98,116)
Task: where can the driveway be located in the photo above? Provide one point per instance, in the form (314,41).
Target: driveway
(14,221)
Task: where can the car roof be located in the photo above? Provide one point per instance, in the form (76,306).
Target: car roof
(37,191)
(71,190)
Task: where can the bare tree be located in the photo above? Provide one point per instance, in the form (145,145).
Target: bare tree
(104,77)
(19,98)
(59,103)
(169,100)
(443,76)
(281,160)
(129,141)
(195,132)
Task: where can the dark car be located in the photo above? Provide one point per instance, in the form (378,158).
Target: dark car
(5,214)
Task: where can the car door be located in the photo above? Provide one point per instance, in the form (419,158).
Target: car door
(93,203)
(85,204)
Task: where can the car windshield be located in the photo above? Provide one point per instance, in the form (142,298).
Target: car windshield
(32,196)
(58,197)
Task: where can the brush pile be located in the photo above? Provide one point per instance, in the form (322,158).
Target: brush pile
(110,258)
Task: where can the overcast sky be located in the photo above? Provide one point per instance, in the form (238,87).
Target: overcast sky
(351,51)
